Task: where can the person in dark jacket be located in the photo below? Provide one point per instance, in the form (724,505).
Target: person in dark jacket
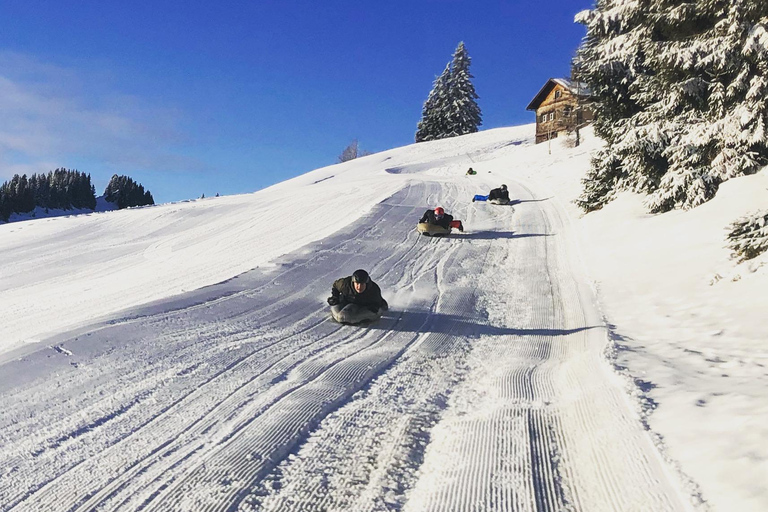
(500,195)
(356,298)
(438,217)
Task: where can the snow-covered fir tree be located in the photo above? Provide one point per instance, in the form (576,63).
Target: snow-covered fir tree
(433,115)
(748,236)
(680,91)
(610,61)
(464,114)
(451,108)
(716,63)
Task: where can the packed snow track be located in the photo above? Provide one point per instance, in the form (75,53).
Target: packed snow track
(484,387)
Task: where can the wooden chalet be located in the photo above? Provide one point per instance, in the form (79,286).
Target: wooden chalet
(560,106)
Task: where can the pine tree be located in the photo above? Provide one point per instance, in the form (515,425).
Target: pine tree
(716,64)
(748,236)
(611,61)
(5,206)
(433,124)
(464,114)
(350,152)
(680,97)
(125,193)
(451,109)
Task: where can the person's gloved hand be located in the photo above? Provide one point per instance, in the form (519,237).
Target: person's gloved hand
(384,305)
(333,301)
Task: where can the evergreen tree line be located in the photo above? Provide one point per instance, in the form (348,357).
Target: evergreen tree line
(61,189)
(125,192)
(451,108)
(65,189)
(680,94)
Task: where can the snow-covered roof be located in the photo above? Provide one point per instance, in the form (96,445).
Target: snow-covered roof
(579,89)
(575,88)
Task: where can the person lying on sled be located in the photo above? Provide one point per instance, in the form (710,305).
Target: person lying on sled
(356,299)
(499,195)
(437,222)
(496,196)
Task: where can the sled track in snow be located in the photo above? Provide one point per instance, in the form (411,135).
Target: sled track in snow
(549,427)
(483,388)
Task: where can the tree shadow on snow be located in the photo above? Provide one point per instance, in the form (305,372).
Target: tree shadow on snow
(428,321)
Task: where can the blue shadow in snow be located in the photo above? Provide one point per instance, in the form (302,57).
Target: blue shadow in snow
(493,235)
(518,201)
(427,321)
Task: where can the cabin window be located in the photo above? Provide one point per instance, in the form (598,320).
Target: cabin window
(543,118)
(567,111)
(558,93)
(551,116)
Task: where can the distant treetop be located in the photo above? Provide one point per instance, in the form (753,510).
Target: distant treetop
(125,192)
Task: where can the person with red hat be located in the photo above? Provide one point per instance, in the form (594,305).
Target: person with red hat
(437,222)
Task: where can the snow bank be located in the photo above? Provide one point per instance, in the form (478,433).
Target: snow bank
(688,321)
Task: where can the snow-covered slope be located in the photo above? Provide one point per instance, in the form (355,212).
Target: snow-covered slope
(62,272)
(180,357)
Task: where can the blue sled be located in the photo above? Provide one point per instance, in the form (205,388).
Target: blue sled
(478,197)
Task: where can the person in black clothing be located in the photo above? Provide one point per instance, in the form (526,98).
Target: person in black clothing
(356,299)
(438,217)
(499,195)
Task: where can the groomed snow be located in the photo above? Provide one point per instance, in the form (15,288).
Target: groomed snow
(180,357)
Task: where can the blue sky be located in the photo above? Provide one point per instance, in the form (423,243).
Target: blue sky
(204,97)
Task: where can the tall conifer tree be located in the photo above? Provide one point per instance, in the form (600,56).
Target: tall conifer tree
(680,94)
(451,108)
(433,115)
(464,114)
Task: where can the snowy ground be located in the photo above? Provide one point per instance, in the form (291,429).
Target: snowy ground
(180,357)
(688,325)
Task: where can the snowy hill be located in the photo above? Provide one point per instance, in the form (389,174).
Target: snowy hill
(180,356)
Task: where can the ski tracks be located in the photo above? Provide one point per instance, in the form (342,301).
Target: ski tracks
(210,396)
(540,423)
(483,388)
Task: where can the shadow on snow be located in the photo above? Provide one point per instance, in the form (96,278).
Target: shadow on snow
(427,321)
(493,235)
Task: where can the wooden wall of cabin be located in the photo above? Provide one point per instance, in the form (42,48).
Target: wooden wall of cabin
(558,113)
